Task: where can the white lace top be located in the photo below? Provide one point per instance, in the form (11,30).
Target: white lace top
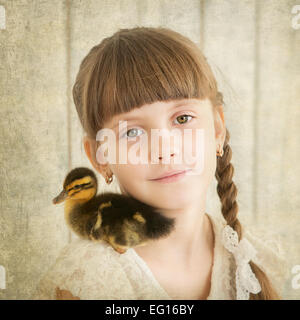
(92,270)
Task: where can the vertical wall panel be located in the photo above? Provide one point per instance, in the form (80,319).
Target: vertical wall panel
(33,147)
(278,126)
(229,45)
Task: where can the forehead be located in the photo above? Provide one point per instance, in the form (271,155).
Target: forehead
(161,106)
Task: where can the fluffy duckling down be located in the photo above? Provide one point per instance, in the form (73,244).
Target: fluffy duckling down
(118,219)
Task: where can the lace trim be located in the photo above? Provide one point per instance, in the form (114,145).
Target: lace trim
(222,287)
(270,257)
(243,252)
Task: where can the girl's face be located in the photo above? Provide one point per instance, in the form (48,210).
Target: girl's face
(137,141)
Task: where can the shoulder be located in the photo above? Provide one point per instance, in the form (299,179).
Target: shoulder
(84,254)
(89,270)
(81,250)
(270,255)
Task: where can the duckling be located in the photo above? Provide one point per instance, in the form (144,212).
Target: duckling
(120,220)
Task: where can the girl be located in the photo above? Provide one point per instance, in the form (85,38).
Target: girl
(157,78)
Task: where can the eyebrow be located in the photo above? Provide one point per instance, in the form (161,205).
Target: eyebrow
(175,105)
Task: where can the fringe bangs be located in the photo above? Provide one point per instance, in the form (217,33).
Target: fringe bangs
(142,67)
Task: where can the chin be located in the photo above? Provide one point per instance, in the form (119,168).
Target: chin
(170,203)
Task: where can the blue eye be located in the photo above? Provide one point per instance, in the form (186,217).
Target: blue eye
(130,130)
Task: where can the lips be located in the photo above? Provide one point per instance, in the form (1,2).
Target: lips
(169,174)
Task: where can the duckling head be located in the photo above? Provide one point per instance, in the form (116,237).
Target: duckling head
(80,185)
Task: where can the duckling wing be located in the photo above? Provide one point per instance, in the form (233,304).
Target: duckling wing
(122,229)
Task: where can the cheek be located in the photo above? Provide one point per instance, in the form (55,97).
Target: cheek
(204,156)
(198,149)
(130,176)
(133,182)
(209,166)
(134,152)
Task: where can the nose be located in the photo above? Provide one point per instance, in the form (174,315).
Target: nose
(172,155)
(167,149)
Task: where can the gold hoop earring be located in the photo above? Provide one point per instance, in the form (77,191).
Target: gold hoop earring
(109,179)
(220,152)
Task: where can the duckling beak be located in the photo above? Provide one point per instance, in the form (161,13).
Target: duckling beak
(60,198)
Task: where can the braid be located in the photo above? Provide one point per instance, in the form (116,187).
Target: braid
(227,192)
(226,188)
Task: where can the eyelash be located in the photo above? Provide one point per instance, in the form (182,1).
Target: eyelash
(184,114)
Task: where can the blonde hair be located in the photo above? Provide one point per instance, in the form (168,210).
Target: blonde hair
(143,65)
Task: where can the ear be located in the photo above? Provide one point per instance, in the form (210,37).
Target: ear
(220,127)
(90,146)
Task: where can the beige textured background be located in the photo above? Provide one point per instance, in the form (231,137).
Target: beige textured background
(255,54)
